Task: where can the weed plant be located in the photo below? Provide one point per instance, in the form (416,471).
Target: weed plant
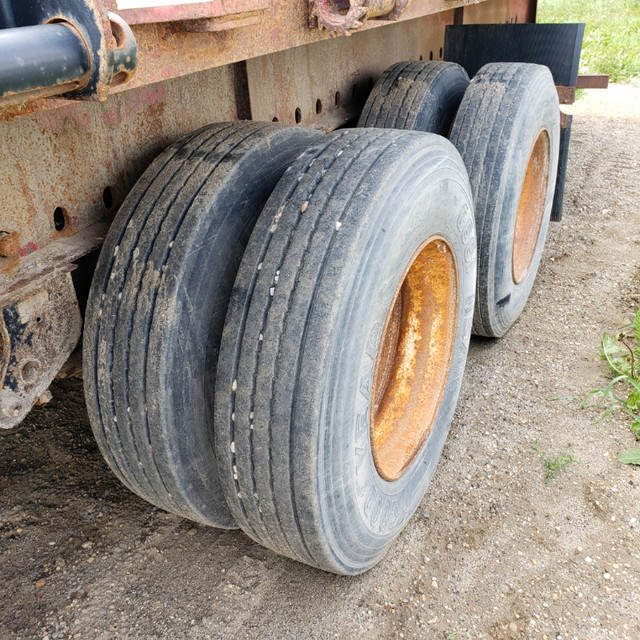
(553,465)
(622,355)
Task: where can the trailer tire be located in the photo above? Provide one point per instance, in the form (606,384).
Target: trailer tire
(508,132)
(419,96)
(318,331)
(157,305)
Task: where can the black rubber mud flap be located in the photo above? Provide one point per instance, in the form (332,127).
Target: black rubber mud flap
(565,140)
(556,46)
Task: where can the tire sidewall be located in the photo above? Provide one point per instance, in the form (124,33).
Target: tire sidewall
(442,98)
(427,101)
(500,300)
(193,299)
(376,510)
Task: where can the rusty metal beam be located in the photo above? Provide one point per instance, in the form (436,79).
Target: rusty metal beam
(39,328)
(195,37)
(167,51)
(191,11)
(566,95)
(593,82)
(68,168)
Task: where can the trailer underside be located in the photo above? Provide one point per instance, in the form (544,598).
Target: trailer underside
(69,164)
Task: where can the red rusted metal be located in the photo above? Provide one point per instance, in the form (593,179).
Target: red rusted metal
(566,95)
(412,364)
(74,164)
(39,328)
(340,17)
(166,49)
(593,82)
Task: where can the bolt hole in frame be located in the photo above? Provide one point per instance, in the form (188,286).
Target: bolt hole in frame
(107,197)
(29,371)
(60,218)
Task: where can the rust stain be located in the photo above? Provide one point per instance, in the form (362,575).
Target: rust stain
(531,207)
(9,245)
(56,121)
(28,248)
(111,116)
(413,360)
(146,99)
(38,330)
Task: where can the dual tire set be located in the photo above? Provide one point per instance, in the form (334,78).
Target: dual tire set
(279,320)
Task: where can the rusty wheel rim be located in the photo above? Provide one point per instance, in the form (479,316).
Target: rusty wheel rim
(531,207)
(414,357)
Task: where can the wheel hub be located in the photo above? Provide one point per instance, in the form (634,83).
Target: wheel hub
(413,359)
(531,207)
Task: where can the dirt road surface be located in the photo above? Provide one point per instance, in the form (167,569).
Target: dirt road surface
(493,551)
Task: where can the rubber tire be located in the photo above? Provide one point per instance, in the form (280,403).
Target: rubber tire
(301,336)
(157,305)
(503,110)
(419,96)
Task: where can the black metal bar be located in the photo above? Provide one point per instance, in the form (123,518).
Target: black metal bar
(558,200)
(241,90)
(45,59)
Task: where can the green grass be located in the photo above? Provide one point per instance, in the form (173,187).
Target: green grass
(612,37)
(553,465)
(622,356)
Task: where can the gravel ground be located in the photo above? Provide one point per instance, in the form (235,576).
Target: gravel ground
(493,552)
